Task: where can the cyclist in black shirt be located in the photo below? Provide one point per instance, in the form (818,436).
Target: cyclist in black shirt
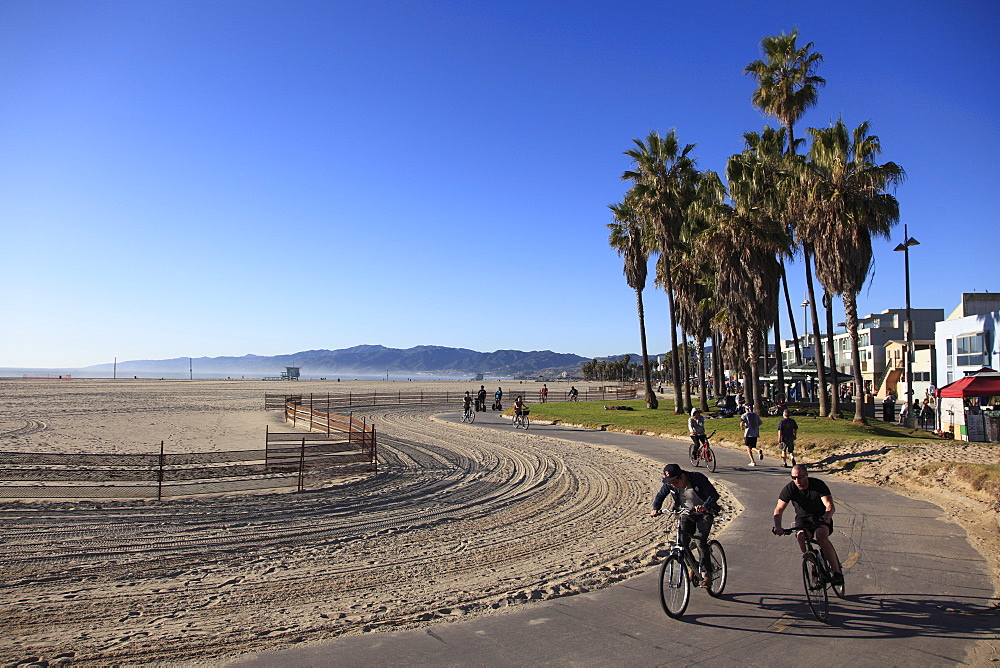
(813,503)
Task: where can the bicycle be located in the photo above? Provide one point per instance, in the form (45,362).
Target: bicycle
(521,421)
(703,453)
(681,567)
(468,415)
(816,575)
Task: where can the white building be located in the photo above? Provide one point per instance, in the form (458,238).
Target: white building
(966,341)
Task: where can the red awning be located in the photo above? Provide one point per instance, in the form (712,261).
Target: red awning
(986,384)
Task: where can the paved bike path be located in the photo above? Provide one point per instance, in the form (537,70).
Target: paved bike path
(914,584)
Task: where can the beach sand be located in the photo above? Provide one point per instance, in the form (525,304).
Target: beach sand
(460,521)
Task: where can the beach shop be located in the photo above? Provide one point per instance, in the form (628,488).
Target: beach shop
(969,408)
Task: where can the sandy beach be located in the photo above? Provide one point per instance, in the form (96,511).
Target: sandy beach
(460,521)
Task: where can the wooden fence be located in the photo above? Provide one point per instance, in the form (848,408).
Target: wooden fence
(334,445)
(333,441)
(328,402)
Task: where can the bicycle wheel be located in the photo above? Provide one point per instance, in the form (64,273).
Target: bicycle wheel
(812,578)
(472,416)
(693,455)
(675,587)
(720,571)
(710,459)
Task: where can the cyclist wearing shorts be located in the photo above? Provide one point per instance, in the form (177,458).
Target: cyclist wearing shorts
(696,426)
(518,405)
(813,503)
(467,402)
(573,393)
(694,491)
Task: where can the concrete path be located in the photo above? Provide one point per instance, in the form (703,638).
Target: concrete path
(915,589)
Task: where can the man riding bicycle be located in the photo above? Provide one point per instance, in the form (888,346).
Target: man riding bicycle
(467,402)
(813,503)
(693,491)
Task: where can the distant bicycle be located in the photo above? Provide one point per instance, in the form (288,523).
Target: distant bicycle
(681,567)
(816,575)
(468,415)
(521,421)
(703,453)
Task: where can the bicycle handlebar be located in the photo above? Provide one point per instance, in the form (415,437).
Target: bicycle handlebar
(804,527)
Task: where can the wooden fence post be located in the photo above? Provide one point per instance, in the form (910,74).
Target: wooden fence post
(159,476)
(302,463)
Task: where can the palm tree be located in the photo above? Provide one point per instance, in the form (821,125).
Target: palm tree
(786,87)
(847,205)
(741,250)
(757,184)
(664,177)
(629,238)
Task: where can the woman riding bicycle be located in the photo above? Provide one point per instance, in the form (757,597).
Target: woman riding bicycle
(519,405)
(696,427)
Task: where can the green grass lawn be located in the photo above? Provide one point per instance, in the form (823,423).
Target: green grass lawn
(813,432)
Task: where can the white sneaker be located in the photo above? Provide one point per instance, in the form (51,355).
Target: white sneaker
(752,464)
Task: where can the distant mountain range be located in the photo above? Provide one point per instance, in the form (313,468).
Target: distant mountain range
(369,360)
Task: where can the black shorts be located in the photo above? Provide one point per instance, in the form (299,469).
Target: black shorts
(787,446)
(804,521)
(750,441)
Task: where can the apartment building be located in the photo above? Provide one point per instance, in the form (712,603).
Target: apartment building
(875,331)
(966,341)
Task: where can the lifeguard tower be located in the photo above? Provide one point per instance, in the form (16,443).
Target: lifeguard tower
(290,373)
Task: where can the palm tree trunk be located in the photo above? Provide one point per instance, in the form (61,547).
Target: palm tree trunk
(791,315)
(651,401)
(755,354)
(674,362)
(824,408)
(851,316)
(835,395)
(702,384)
(686,370)
(717,379)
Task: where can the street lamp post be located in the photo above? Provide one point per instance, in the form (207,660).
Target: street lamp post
(905,248)
(805,319)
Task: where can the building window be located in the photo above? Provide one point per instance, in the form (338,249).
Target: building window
(970,350)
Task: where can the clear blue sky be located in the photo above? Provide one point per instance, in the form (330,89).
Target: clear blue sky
(220,178)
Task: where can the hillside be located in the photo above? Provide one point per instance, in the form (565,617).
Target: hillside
(369,360)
